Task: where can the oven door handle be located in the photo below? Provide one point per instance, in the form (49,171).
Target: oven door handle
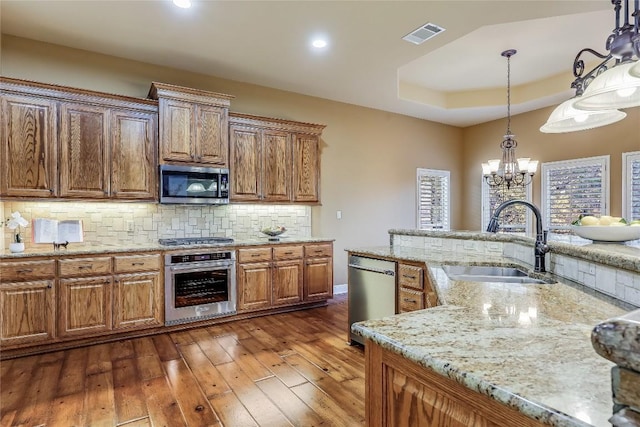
(201,267)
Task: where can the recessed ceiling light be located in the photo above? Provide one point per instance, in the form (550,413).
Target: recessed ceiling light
(319,43)
(185,4)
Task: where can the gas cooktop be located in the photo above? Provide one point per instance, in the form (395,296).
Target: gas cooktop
(195,241)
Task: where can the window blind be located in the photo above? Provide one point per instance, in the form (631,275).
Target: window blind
(574,187)
(513,219)
(433,199)
(631,185)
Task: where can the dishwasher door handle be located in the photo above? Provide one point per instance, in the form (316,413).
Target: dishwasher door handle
(373,270)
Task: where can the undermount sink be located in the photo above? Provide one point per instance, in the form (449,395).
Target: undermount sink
(487,273)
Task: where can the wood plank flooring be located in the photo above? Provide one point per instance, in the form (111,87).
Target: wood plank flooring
(292,369)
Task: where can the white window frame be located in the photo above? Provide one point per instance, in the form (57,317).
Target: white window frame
(627,160)
(602,161)
(438,173)
(486,209)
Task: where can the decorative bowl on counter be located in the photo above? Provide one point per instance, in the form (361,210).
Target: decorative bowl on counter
(604,233)
(273,232)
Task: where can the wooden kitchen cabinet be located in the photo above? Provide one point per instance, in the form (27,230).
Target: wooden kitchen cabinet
(254,286)
(400,393)
(288,274)
(306,168)
(137,300)
(85,305)
(415,290)
(193,125)
(273,160)
(318,271)
(29,146)
(76,144)
(27,302)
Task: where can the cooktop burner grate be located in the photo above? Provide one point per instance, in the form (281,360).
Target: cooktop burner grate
(195,241)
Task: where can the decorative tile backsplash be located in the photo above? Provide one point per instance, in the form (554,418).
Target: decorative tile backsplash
(109,223)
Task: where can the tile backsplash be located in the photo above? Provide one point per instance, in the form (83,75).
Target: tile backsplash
(107,222)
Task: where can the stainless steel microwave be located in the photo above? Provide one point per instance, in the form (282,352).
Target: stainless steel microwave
(194,185)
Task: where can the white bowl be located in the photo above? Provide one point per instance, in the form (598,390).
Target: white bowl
(603,233)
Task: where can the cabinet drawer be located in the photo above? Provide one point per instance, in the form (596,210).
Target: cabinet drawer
(287,252)
(322,250)
(84,266)
(254,255)
(133,263)
(410,276)
(410,300)
(27,270)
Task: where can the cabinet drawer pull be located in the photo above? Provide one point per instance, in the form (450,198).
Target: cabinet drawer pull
(409,300)
(138,263)
(288,253)
(49,286)
(84,267)
(25,270)
(409,277)
(255,255)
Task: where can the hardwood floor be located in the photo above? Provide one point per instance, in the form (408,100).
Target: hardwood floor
(280,370)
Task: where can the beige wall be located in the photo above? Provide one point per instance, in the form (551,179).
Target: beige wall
(482,142)
(369,157)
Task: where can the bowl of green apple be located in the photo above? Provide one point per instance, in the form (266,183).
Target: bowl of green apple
(606,228)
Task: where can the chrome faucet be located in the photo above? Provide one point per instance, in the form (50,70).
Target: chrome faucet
(541,246)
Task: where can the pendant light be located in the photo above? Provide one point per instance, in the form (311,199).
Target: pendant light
(612,84)
(509,172)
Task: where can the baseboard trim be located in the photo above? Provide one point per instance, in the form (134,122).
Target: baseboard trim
(340,289)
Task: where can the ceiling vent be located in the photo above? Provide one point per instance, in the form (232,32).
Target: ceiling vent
(424,33)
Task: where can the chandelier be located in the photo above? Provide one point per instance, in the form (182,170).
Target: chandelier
(612,84)
(509,172)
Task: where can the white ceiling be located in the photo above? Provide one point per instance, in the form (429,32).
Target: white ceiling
(457,78)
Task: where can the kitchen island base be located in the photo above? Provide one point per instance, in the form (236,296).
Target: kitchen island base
(401,393)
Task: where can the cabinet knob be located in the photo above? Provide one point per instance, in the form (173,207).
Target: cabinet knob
(25,270)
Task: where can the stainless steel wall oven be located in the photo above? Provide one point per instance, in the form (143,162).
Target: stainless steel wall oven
(199,285)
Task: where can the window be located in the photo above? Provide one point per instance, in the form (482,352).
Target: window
(514,219)
(574,187)
(631,185)
(434,208)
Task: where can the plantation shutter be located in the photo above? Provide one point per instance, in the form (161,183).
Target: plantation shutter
(574,187)
(631,183)
(513,219)
(433,199)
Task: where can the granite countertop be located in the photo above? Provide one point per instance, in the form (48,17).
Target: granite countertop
(525,345)
(46,250)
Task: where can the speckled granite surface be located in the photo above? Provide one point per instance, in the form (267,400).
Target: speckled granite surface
(526,346)
(619,255)
(46,250)
(618,339)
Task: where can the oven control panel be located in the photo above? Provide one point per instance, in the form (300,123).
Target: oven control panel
(210,256)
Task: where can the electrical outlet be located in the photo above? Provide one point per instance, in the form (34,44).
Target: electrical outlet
(130,226)
(338,214)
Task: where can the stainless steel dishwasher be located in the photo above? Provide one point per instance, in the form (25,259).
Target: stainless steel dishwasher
(372,290)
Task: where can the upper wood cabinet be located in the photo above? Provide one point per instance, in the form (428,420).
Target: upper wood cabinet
(193,125)
(72,143)
(29,141)
(273,160)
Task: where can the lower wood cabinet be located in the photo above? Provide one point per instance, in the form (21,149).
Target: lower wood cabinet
(27,312)
(84,305)
(137,300)
(415,290)
(282,275)
(400,393)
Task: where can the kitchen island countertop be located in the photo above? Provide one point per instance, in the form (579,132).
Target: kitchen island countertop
(525,345)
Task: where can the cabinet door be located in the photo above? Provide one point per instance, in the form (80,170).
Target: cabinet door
(287,282)
(177,130)
(29,140)
(212,135)
(318,278)
(254,286)
(137,300)
(27,312)
(244,163)
(133,155)
(276,166)
(84,169)
(306,168)
(85,305)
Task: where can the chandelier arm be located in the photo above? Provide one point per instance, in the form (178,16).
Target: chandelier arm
(581,82)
